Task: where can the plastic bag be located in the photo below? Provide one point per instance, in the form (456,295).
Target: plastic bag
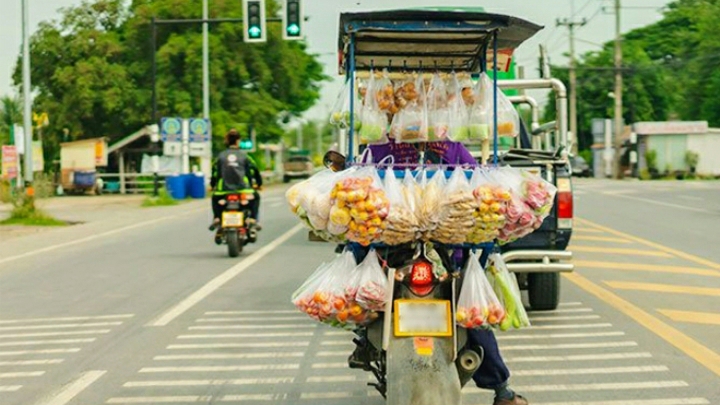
(401,224)
(340,116)
(314,198)
(323,295)
(360,196)
(372,284)
(508,119)
(490,207)
(384,92)
(406,92)
(438,111)
(458,112)
(411,124)
(507,290)
(433,194)
(456,210)
(538,194)
(374,120)
(479,119)
(477,307)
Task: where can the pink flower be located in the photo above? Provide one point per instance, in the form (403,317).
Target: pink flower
(514,211)
(526,219)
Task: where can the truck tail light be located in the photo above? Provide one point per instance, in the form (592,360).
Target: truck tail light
(421,278)
(564,203)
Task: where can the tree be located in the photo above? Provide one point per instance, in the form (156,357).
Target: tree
(10,113)
(92,70)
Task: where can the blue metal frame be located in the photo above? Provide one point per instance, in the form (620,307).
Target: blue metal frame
(351,73)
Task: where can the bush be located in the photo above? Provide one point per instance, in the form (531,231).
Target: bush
(651,160)
(24,212)
(163,199)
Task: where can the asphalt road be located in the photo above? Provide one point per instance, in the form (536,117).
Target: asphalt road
(156,313)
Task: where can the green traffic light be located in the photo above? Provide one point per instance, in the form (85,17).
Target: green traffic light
(254,32)
(293,29)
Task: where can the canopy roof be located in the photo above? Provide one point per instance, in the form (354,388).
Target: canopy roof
(441,39)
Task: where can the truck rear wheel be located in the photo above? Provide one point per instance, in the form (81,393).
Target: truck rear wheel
(544,291)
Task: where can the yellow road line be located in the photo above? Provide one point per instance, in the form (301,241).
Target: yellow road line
(667,288)
(600,239)
(708,358)
(691,317)
(583,229)
(678,253)
(589,264)
(617,251)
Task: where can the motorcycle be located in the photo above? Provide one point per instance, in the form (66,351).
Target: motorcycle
(417,344)
(237,229)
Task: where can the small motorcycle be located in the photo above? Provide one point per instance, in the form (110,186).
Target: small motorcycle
(237,229)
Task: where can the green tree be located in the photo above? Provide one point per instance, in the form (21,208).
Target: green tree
(92,70)
(10,113)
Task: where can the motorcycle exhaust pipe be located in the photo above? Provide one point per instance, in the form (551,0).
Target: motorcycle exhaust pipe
(467,363)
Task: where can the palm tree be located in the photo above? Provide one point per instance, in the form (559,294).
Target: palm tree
(10,113)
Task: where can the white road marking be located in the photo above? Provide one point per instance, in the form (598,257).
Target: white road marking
(238,345)
(202,383)
(22,374)
(253,319)
(337,333)
(325,395)
(247,335)
(665,204)
(221,356)
(48,334)
(31,362)
(250,367)
(96,236)
(281,326)
(571,346)
(337,343)
(281,311)
(602,386)
(158,400)
(570,304)
(47,342)
(332,353)
(9,388)
(564,318)
(579,357)
(330,365)
(67,393)
(332,379)
(254,397)
(669,401)
(585,371)
(43,351)
(223,278)
(66,319)
(567,310)
(576,326)
(560,336)
(60,326)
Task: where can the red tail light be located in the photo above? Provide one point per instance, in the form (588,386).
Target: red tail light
(564,203)
(233,197)
(421,278)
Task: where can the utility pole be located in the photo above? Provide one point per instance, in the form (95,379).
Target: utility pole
(571,24)
(617,173)
(205,161)
(27,113)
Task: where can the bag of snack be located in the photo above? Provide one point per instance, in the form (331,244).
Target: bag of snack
(412,119)
(401,224)
(429,208)
(477,307)
(455,211)
(507,290)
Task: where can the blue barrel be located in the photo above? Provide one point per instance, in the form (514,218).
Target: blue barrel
(196,187)
(176,187)
(84,179)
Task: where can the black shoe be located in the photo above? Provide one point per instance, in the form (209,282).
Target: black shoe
(215,224)
(218,238)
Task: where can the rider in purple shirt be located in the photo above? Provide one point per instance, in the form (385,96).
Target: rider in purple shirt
(446,152)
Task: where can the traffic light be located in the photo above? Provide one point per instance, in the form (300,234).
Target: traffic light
(292,20)
(246,144)
(254,20)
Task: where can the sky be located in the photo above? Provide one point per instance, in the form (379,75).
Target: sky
(322,29)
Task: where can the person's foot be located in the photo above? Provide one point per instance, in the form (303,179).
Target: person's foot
(218,237)
(215,224)
(517,400)
(255,224)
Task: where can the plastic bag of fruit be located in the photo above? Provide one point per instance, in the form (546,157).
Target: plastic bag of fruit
(340,115)
(456,210)
(480,111)
(313,196)
(522,220)
(438,111)
(411,124)
(371,283)
(538,193)
(491,201)
(458,112)
(507,290)
(374,118)
(478,307)
(508,119)
(401,225)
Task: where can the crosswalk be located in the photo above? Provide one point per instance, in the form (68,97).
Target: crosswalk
(571,353)
(30,348)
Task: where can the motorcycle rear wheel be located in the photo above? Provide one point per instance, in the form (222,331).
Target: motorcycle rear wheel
(233,242)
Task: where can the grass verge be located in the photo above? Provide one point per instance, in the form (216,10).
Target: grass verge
(162,200)
(25,213)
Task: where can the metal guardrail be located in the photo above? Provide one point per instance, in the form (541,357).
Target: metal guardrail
(132,182)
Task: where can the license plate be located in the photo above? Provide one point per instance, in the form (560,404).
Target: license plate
(232,219)
(423,318)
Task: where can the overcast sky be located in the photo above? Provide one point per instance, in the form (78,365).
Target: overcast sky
(322,29)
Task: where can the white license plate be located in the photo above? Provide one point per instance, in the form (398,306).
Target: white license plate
(423,318)
(232,219)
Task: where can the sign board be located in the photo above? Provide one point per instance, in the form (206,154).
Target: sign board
(171,129)
(671,127)
(37,156)
(9,162)
(100,153)
(19,137)
(199,149)
(172,148)
(503,62)
(199,130)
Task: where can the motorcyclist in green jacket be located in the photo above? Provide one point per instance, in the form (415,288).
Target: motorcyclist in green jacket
(234,171)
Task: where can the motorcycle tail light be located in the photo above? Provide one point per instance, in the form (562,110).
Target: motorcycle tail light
(421,278)
(233,197)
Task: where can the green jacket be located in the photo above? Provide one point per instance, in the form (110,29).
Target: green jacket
(228,167)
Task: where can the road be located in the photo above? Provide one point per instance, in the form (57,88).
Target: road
(153,312)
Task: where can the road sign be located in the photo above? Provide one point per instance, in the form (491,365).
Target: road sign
(171,129)
(199,130)
(172,148)
(198,149)
(9,162)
